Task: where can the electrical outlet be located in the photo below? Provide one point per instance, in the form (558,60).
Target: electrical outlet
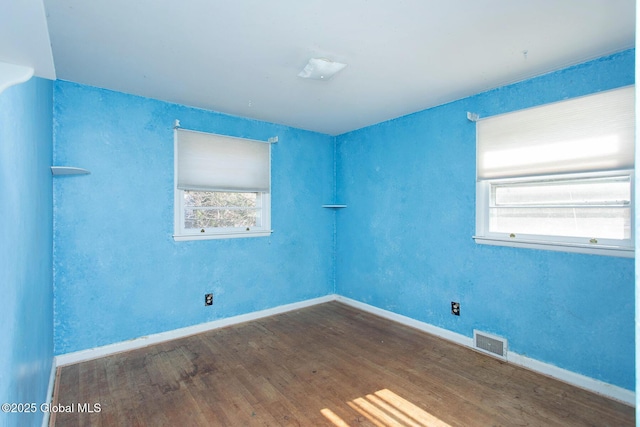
(208,299)
(455,308)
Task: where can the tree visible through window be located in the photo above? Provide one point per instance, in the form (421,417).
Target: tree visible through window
(207,209)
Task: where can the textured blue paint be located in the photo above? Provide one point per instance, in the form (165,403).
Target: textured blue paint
(26,317)
(118,274)
(404,243)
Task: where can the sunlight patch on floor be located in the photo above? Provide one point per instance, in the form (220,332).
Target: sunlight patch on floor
(333,417)
(384,408)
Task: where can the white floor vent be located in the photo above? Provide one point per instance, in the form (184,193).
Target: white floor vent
(490,344)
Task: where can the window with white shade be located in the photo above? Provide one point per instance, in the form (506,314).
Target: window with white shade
(559,176)
(222,186)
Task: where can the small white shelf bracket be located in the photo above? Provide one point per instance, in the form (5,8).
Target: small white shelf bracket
(473,117)
(68,170)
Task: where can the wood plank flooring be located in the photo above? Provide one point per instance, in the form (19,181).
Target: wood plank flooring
(329,364)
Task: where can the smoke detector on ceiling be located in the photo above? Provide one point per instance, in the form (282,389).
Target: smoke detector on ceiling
(321,69)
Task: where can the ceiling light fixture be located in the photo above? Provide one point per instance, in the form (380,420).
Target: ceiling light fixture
(321,69)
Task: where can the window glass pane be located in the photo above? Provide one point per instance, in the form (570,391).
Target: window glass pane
(219,199)
(209,209)
(210,218)
(586,207)
(609,191)
(589,222)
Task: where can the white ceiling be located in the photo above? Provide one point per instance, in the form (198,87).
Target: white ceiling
(242,57)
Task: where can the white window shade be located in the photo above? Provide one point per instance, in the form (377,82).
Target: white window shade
(587,134)
(210,162)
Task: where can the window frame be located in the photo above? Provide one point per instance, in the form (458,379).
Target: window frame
(183,234)
(517,142)
(611,247)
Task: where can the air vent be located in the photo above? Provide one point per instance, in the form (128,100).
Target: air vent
(490,344)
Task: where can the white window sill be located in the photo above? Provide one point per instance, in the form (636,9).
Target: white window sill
(226,235)
(592,249)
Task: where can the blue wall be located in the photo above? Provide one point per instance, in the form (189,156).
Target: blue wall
(26,317)
(404,242)
(118,273)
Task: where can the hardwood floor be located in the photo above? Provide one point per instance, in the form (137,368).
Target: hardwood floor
(325,365)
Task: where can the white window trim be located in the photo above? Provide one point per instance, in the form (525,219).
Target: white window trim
(608,247)
(616,251)
(182,234)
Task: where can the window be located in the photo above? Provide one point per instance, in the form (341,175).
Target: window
(222,186)
(559,176)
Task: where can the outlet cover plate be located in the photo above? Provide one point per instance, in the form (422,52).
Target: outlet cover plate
(455,308)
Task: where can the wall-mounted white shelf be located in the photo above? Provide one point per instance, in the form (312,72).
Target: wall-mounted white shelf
(334,206)
(68,170)
(11,74)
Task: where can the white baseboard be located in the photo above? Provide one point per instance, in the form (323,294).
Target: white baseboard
(94,353)
(578,380)
(408,321)
(611,391)
(600,387)
(49,397)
